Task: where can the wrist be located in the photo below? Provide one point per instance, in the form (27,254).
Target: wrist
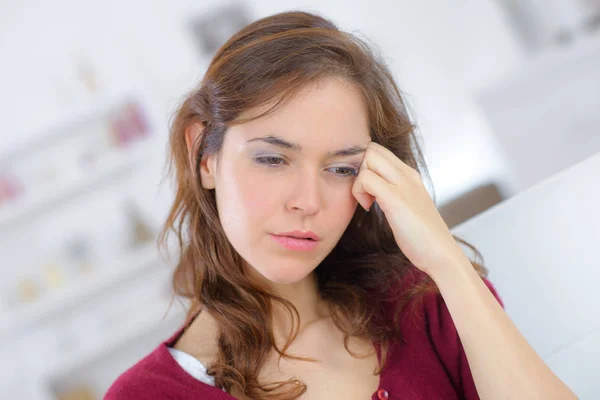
(452,268)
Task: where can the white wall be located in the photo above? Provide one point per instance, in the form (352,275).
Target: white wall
(440,52)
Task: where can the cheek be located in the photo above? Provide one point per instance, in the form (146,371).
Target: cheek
(345,203)
(249,195)
(256,193)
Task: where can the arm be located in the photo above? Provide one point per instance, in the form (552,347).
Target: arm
(503,364)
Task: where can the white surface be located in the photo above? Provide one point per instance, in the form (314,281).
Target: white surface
(579,363)
(540,247)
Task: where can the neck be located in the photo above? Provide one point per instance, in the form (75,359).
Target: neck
(305,297)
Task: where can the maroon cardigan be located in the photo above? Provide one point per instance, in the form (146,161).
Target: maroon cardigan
(430,363)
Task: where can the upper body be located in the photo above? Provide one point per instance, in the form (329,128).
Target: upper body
(427,362)
(298,184)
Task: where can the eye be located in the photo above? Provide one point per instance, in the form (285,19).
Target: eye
(346,171)
(269,161)
(273,162)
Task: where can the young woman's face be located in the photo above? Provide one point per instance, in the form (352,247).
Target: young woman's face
(280,173)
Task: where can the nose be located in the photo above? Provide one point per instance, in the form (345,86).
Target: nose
(306,194)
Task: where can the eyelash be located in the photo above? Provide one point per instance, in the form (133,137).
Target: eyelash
(265,161)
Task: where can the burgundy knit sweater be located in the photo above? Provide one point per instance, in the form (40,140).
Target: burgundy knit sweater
(429,363)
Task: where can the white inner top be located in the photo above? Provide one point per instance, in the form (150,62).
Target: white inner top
(192,366)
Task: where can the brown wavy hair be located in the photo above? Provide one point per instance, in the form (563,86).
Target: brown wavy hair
(267,63)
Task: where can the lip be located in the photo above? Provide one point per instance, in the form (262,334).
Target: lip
(300,235)
(297,244)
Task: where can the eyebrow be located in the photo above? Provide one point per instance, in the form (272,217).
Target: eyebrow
(280,142)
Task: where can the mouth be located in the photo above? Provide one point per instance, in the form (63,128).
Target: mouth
(307,235)
(295,243)
(299,238)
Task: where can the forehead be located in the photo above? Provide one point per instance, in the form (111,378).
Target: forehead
(328,113)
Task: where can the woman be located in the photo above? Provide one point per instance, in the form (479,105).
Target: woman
(297,291)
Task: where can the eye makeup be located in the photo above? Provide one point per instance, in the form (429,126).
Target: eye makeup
(272,161)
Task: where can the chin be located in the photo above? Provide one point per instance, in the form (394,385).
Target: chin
(284,277)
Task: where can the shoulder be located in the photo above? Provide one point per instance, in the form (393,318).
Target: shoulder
(155,376)
(137,382)
(159,376)
(144,380)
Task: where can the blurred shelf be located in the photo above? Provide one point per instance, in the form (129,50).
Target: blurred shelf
(62,125)
(83,289)
(58,310)
(150,319)
(116,162)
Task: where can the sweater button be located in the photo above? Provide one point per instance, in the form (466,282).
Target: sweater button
(382,394)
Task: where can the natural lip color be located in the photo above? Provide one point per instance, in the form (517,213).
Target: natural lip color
(295,243)
(300,235)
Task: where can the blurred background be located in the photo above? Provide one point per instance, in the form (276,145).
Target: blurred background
(504,92)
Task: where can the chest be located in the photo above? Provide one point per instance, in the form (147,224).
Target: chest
(336,374)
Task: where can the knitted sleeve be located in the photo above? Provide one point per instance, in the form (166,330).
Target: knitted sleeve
(447,344)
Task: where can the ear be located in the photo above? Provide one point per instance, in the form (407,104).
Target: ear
(207,164)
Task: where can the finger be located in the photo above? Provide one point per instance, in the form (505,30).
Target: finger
(395,160)
(368,187)
(381,165)
(359,192)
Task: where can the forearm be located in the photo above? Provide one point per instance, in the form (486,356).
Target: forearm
(503,364)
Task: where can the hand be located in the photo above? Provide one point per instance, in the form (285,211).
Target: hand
(418,228)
